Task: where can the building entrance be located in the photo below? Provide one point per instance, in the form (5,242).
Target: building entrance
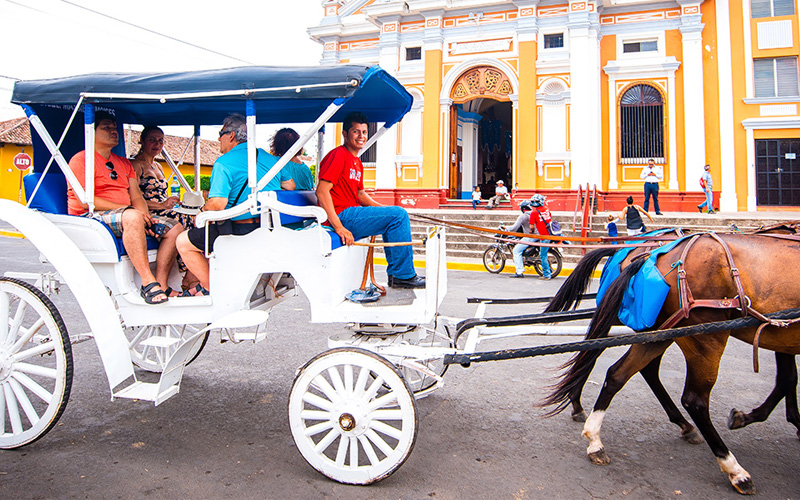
(778,172)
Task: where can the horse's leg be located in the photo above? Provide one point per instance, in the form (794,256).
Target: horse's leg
(702,367)
(636,359)
(578,413)
(650,374)
(785,386)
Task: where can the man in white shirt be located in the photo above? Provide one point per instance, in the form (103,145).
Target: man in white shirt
(652,175)
(500,193)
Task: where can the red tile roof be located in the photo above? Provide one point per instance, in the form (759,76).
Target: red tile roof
(18,132)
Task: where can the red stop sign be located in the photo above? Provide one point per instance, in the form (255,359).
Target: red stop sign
(22,161)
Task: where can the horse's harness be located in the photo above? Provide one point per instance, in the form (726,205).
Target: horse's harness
(740,301)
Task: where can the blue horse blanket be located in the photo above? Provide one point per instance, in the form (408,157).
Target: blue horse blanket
(646,291)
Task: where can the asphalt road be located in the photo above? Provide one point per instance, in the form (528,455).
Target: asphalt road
(481,436)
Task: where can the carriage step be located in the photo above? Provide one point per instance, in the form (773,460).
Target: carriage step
(236,337)
(160,341)
(148,391)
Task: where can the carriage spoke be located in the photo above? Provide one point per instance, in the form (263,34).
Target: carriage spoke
(373,388)
(329,438)
(138,337)
(386,429)
(369,450)
(387,414)
(2,411)
(317,401)
(317,428)
(41,371)
(24,401)
(361,381)
(17,321)
(382,401)
(34,387)
(336,379)
(13,409)
(322,385)
(379,442)
(4,307)
(34,351)
(348,378)
(314,415)
(341,452)
(27,335)
(353,452)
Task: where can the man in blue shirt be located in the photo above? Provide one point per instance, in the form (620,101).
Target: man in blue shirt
(228,185)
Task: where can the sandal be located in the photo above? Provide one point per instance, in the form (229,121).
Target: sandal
(148,294)
(195,291)
(169,291)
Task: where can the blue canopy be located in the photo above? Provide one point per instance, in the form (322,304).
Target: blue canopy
(280,95)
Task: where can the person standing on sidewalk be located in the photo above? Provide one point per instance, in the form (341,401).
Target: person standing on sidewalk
(652,175)
(707,183)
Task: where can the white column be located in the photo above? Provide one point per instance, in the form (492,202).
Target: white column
(728,201)
(514,139)
(673,133)
(444,143)
(693,101)
(613,183)
(386,157)
(751,170)
(585,121)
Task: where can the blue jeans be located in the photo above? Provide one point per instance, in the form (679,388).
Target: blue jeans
(709,200)
(520,247)
(393,225)
(475,203)
(650,188)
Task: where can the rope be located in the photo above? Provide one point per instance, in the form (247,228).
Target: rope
(604,343)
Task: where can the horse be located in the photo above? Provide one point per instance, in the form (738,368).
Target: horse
(576,285)
(711,268)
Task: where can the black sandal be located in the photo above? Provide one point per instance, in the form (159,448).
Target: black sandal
(148,294)
(197,289)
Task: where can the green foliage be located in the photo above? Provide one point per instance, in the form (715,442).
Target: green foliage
(205,181)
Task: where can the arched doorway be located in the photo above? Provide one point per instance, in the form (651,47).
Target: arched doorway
(481,131)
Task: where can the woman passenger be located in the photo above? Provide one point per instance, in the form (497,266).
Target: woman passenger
(300,173)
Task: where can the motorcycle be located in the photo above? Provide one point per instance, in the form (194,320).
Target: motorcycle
(494,257)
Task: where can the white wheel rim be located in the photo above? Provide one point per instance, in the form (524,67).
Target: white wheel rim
(33,379)
(352,416)
(153,358)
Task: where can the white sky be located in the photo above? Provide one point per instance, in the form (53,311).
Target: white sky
(52,38)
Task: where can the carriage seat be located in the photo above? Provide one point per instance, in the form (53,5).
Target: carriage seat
(303,199)
(52,199)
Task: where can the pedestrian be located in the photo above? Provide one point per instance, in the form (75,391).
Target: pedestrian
(611,225)
(707,183)
(633,221)
(476,197)
(652,175)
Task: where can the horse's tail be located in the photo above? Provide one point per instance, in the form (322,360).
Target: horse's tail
(577,283)
(581,364)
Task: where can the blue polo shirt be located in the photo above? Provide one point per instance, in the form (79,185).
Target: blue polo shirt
(229,174)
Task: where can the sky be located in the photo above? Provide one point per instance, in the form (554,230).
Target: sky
(53,38)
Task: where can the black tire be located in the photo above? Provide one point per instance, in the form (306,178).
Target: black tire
(494,259)
(555,261)
(44,391)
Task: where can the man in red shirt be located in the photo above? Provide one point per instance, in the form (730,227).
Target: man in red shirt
(353,214)
(119,204)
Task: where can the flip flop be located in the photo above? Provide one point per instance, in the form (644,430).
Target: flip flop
(197,289)
(148,294)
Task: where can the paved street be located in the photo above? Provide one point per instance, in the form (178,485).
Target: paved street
(481,436)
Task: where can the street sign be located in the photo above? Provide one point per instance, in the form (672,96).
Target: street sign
(23,161)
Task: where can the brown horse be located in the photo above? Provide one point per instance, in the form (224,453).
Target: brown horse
(577,284)
(709,276)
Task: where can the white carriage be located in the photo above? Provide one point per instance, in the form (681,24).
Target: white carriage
(351,411)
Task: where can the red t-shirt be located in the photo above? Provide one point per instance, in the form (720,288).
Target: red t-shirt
(539,220)
(105,187)
(346,173)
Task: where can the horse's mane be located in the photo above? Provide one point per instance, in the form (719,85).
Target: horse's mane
(581,364)
(577,283)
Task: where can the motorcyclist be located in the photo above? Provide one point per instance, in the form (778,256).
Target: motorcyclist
(522,225)
(540,220)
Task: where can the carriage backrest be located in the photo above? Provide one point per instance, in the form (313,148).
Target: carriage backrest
(297,199)
(52,194)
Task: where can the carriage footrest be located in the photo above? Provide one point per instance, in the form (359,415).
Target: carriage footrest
(148,392)
(236,337)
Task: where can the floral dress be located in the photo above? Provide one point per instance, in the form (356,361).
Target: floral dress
(154,189)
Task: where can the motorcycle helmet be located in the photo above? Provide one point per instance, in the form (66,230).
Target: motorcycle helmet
(537,200)
(525,206)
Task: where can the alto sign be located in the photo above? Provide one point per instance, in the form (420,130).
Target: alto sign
(23,161)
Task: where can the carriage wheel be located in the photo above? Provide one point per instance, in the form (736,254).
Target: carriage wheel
(555,262)
(352,416)
(494,259)
(35,364)
(152,345)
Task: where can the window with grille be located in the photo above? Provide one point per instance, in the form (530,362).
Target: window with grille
(771,8)
(641,46)
(413,53)
(641,125)
(554,41)
(776,77)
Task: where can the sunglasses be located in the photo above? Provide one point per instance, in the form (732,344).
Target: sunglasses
(113,173)
(223,132)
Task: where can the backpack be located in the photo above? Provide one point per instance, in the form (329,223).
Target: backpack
(703,182)
(555,228)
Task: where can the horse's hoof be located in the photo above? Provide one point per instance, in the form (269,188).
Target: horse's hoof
(736,419)
(692,437)
(579,417)
(599,457)
(745,487)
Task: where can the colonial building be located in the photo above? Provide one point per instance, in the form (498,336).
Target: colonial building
(549,96)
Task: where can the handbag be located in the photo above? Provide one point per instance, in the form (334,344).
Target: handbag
(702,183)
